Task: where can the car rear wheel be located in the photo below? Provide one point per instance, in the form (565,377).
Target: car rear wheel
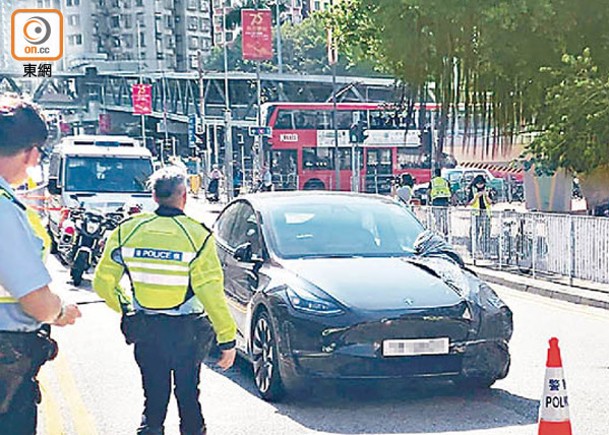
(265,361)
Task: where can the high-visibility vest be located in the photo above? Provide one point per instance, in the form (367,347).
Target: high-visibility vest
(439,188)
(156,252)
(487,203)
(37,227)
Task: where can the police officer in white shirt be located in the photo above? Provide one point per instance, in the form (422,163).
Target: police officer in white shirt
(27,306)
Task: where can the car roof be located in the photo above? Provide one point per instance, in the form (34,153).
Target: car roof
(263,200)
(90,150)
(84,145)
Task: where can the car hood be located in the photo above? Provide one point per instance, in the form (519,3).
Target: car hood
(375,283)
(105,202)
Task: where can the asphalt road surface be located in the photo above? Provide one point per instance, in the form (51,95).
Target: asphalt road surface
(93,387)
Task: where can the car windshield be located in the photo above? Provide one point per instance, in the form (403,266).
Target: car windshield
(455,177)
(107,174)
(335,228)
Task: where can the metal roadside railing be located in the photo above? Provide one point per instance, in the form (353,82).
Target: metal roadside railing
(539,244)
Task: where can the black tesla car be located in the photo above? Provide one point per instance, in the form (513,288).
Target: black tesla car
(349,286)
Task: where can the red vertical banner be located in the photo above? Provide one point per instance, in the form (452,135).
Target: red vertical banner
(65,128)
(142,99)
(257,34)
(105,123)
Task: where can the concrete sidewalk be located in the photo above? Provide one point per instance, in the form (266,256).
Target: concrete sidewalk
(584,293)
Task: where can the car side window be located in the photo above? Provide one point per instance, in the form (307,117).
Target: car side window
(225,224)
(246,229)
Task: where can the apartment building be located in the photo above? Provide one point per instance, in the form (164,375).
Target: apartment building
(292,12)
(310,6)
(156,35)
(6,7)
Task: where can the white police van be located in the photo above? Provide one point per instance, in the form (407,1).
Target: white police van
(100,172)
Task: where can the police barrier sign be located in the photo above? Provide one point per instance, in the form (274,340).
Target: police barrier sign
(37,35)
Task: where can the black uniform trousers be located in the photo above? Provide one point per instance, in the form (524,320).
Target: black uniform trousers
(21,416)
(21,356)
(171,347)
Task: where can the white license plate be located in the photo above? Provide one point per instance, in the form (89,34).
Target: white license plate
(426,346)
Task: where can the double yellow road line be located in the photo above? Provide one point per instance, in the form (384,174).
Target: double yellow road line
(59,391)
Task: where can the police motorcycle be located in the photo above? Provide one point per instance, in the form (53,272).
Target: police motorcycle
(83,237)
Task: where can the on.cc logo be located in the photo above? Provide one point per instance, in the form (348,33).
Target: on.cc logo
(36,35)
(37,30)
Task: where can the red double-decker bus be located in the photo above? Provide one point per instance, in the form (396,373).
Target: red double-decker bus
(302,145)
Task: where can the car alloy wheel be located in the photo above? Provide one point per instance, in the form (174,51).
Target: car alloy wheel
(264,358)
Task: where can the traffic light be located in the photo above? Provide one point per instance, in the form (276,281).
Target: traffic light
(201,140)
(357,132)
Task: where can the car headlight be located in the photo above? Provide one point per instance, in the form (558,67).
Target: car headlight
(306,302)
(489,297)
(92,227)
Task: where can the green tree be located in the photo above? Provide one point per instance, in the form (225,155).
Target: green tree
(574,117)
(304,52)
(485,56)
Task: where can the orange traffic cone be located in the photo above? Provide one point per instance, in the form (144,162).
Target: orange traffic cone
(554,407)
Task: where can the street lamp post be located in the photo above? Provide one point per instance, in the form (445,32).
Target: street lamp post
(332,60)
(228,134)
(336,149)
(206,151)
(141,81)
(166,127)
(278,31)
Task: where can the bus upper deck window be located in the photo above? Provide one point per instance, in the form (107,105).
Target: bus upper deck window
(284,121)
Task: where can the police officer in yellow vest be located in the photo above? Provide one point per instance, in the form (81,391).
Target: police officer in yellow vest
(27,305)
(478,196)
(439,190)
(439,197)
(176,285)
(480,202)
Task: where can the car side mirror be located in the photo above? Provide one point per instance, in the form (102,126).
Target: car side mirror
(243,253)
(52,187)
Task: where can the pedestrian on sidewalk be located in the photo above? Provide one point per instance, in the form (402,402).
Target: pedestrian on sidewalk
(213,189)
(439,196)
(237,179)
(176,290)
(267,179)
(27,306)
(405,189)
(480,202)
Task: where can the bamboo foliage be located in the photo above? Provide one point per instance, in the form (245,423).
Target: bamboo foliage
(483,57)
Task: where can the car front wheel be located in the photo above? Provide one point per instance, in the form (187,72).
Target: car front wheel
(265,359)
